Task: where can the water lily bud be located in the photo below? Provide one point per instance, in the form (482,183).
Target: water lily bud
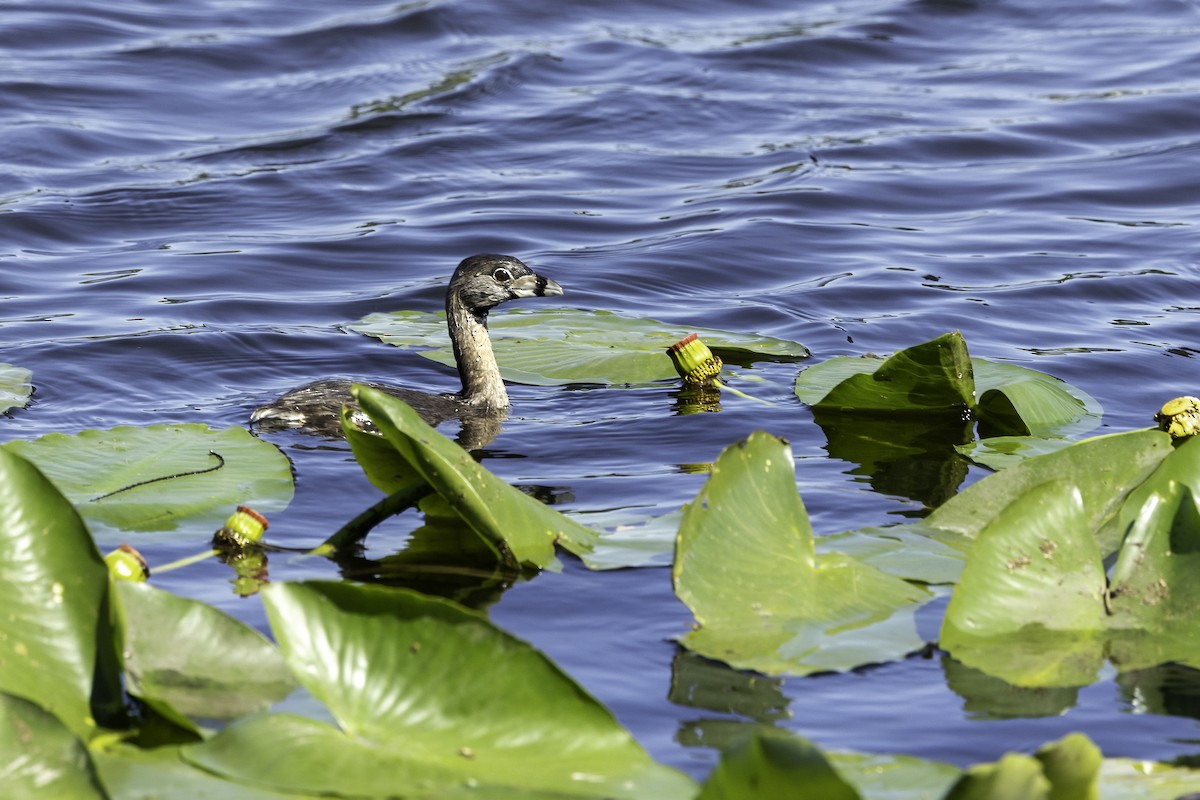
(1180,417)
(694,362)
(127,564)
(244,528)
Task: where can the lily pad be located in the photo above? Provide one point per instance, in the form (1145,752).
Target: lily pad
(431,700)
(746,566)
(521,530)
(203,662)
(1104,469)
(1002,452)
(931,377)
(557,346)
(940,377)
(631,541)
(15,387)
(41,756)
(57,637)
(772,764)
(133,773)
(1014,777)
(1029,606)
(162,476)
(1035,607)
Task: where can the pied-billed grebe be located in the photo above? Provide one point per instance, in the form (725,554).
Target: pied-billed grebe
(480,283)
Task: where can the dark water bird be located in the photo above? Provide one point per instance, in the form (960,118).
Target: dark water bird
(479,284)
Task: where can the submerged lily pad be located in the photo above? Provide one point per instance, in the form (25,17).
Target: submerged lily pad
(521,530)
(431,700)
(158,477)
(746,566)
(940,377)
(556,346)
(15,387)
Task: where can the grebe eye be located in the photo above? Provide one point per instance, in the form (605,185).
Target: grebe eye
(502,275)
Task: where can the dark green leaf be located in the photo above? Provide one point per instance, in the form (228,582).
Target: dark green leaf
(1014,400)
(939,377)
(934,376)
(521,530)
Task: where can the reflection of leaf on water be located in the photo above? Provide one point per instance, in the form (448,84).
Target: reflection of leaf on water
(987,697)
(913,458)
(521,531)
(697,682)
(905,419)
(1170,689)
(443,557)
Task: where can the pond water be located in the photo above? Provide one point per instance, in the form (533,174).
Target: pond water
(195,198)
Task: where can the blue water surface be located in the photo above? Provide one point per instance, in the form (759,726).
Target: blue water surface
(195,198)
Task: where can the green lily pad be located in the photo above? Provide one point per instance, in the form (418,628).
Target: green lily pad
(1103,468)
(1002,452)
(431,700)
(557,346)
(1127,779)
(901,551)
(15,387)
(773,764)
(1035,607)
(41,756)
(1021,401)
(134,773)
(1068,769)
(631,541)
(1029,606)
(522,531)
(935,376)
(1013,777)
(746,566)
(57,637)
(159,477)
(940,377)
(204,663)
